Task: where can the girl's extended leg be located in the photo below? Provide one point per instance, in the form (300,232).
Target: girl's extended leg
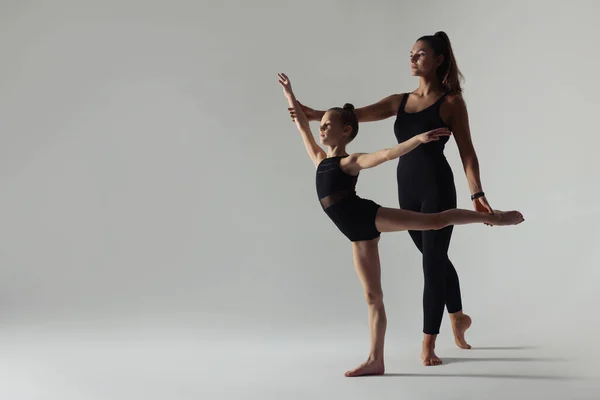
(394,219)
(366,262)
(434,246)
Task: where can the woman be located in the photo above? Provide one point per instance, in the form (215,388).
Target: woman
(362,220)
(425,179)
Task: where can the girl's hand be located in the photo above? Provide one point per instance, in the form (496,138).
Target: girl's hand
(433,135)
(284,81)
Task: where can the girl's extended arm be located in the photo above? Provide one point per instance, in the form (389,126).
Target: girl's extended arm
(359,161)
(315,152)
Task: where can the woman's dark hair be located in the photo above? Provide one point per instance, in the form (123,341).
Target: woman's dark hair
(448,72)
(348,117)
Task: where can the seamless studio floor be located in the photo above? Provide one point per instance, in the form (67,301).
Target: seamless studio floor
(61,363)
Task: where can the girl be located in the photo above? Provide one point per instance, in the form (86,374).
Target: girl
(362,220)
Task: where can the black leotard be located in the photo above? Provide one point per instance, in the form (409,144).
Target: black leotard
(336,190)
(426,184)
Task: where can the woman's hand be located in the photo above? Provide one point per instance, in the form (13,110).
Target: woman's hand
(481,205)
(311,114)
(433,135)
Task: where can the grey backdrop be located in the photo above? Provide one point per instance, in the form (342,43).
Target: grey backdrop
(150,174)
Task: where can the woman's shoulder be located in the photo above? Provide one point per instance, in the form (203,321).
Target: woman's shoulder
(396,100)
(455,99)
(454,103)
(453,107)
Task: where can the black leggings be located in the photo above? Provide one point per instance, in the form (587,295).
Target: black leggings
(442,287)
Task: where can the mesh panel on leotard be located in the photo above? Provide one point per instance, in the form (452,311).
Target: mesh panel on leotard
(333,184)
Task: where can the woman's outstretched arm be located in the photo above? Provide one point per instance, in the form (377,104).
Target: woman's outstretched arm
(383,109)
(315,152)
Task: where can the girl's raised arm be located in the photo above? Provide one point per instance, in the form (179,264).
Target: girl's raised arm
(315,152)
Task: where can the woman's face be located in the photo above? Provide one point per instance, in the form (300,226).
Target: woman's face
(423,61)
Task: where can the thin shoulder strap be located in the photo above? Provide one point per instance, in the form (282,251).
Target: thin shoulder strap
(403,103)
(441,100)
(438,103)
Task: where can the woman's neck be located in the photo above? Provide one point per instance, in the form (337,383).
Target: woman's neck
(428,86)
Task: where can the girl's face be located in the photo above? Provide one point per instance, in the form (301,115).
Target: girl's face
(332,132)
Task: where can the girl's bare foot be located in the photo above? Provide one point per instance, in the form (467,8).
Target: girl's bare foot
(460,323)
(369,367)
(507,218)
(428,355)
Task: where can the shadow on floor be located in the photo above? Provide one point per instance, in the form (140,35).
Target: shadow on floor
(505,348)
(487,376)
(451,360)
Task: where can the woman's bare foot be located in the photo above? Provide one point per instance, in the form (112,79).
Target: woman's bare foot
(507,218)
(369,367)
(428,355)
(460,323)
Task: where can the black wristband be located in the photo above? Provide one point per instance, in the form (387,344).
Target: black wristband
(477,195)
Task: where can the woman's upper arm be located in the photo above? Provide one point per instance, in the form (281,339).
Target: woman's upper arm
(383,109)
(458,121)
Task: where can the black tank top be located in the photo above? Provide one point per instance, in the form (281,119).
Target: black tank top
(408,125)
(333,184)
(425,169)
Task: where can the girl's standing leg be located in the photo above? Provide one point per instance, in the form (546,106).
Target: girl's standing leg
(366,262)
